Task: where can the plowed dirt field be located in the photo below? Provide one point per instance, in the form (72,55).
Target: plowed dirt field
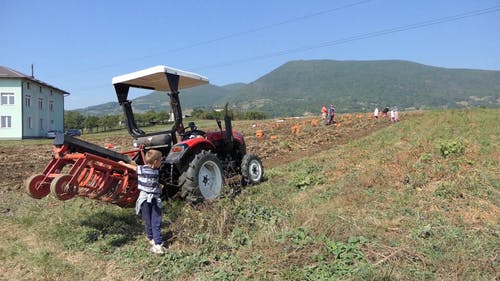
(276,142)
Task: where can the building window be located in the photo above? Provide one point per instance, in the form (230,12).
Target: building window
(30,124)
(7,98)
(40,89)
(41,124)
(27,101)
(40,104)
(6,122)
(28,85)
(51,106)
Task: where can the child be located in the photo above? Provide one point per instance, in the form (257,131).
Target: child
(331,112)
(149,202)
(396,114)
(323,114)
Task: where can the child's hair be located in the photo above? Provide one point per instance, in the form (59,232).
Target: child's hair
(151,156)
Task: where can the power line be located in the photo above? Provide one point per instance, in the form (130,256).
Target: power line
(359,37)
(232,35)
(348,39)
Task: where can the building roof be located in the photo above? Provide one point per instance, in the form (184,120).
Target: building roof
(9,73)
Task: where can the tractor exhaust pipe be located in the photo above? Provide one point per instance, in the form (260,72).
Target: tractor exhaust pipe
(229,129)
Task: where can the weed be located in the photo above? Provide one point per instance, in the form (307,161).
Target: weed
(297,237)
(272,173)
(302,181)
(426,157)
(239,238)
(451,147)
(347,259)
(448,190)
(327,194)
(305,175)
(425,231)
(257,215)
(285,145)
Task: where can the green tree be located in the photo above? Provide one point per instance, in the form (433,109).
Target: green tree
(254,115)
(140,119)
(91,122)
(198,113)
(163,116)
(150,117)
(73,120)
(108,122)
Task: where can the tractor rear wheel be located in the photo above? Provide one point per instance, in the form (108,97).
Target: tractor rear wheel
(35,186)
(203,179)
(251,169)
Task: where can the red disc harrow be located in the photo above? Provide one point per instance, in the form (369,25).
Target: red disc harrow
(80,168)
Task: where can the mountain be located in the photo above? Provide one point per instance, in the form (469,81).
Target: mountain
(300,87)
(202,96)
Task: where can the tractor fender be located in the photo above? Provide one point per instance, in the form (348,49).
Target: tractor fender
(185,149)
(220,135)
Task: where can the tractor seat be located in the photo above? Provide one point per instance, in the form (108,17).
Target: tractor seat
(162,138)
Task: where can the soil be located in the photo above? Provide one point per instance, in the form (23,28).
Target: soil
(313,141)
(281,142)
(21,161)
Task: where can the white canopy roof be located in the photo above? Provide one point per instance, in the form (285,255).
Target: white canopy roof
(154,78)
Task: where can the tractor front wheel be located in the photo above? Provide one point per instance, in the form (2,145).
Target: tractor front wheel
(251,169)
(203,179)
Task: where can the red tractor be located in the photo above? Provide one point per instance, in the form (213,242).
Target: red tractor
(196,164)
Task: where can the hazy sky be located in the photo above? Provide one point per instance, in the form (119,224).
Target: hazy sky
(79,46)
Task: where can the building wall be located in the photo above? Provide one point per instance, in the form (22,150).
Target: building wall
(11,111)
(36,109)
(43,109)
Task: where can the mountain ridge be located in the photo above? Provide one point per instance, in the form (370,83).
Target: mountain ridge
(300,87)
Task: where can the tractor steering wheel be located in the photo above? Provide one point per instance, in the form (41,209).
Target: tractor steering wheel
(193,134)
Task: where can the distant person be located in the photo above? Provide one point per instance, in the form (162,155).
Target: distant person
(392,116)
(385,111)
(396,113)
(149,203)
(331,113)
(323,114)
(375,113)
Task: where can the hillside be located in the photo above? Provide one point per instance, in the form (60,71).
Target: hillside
(202,96)
(414,200)
(299,87)
(359,86)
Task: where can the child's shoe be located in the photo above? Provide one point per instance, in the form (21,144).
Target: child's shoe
(158,249)
(150,241)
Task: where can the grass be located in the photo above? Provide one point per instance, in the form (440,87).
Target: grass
(390,206)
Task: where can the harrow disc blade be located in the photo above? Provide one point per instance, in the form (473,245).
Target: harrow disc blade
(36,187)
(61,188)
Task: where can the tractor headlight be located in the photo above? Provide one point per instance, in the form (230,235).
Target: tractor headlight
(178,148)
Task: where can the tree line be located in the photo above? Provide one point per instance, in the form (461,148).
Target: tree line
(200,113)
(93,124)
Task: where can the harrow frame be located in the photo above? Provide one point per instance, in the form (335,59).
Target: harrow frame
(85,169)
